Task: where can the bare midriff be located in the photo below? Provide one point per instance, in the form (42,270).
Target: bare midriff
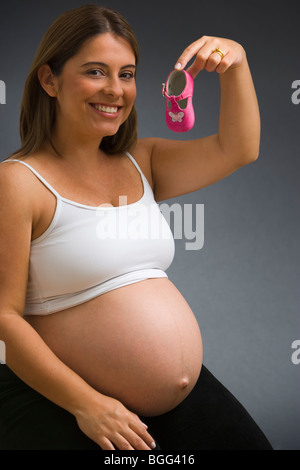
(140,344)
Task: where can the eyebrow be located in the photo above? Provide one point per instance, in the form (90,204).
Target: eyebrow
(102,64)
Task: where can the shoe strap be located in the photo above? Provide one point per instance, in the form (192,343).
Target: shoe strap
(175,98)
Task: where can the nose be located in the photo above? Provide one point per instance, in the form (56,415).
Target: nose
(113,87)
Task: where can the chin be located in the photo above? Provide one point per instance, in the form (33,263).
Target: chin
(107,132)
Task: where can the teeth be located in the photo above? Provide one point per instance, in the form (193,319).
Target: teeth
(105,109)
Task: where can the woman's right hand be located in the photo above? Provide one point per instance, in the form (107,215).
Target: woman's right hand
(112,426)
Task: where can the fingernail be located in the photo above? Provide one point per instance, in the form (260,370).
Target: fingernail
(145,425)
(153,445)
(178,66)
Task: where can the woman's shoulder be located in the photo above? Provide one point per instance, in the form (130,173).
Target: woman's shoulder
(145,146)
(11,170)
(16,182)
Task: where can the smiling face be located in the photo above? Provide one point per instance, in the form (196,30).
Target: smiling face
(96,90)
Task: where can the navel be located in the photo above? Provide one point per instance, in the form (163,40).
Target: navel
(184,382)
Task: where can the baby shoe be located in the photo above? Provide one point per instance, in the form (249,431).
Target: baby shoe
(178,91)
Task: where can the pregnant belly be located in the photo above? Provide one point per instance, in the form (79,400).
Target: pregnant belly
(140,344)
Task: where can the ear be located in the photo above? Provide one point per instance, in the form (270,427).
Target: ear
(47,80)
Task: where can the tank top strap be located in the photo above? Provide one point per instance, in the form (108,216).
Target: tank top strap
(134,162)
(37,175)
(148,191)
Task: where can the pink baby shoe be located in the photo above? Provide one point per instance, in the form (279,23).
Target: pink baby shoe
(178,91)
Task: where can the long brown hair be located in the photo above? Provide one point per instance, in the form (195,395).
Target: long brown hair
(63,40)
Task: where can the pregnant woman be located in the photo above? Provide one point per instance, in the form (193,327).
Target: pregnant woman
(102,350)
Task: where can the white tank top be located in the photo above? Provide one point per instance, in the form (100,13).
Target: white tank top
(87,250)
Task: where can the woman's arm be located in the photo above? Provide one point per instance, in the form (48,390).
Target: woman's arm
(105,420)
(180,167)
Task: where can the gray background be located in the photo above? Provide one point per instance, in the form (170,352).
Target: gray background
(243,285)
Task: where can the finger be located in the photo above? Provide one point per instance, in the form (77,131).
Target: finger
(207,58)
(189,53)
(226,62)
(143,433)
(213,61)
(106,444)
(147,438)
(138,442)
(122,442)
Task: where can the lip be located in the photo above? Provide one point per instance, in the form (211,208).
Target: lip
(103,113)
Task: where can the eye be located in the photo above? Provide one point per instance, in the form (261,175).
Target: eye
(95,72)
(127,75)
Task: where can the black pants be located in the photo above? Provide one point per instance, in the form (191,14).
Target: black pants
(210,418)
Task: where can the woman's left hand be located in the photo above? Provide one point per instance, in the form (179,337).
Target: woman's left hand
(211,54)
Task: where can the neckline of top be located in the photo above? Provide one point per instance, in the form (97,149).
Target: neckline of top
(86,206)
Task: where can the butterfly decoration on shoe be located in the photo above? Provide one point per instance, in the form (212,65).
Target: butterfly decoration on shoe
(176,117)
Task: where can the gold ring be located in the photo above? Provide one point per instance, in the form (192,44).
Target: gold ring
(218,51)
